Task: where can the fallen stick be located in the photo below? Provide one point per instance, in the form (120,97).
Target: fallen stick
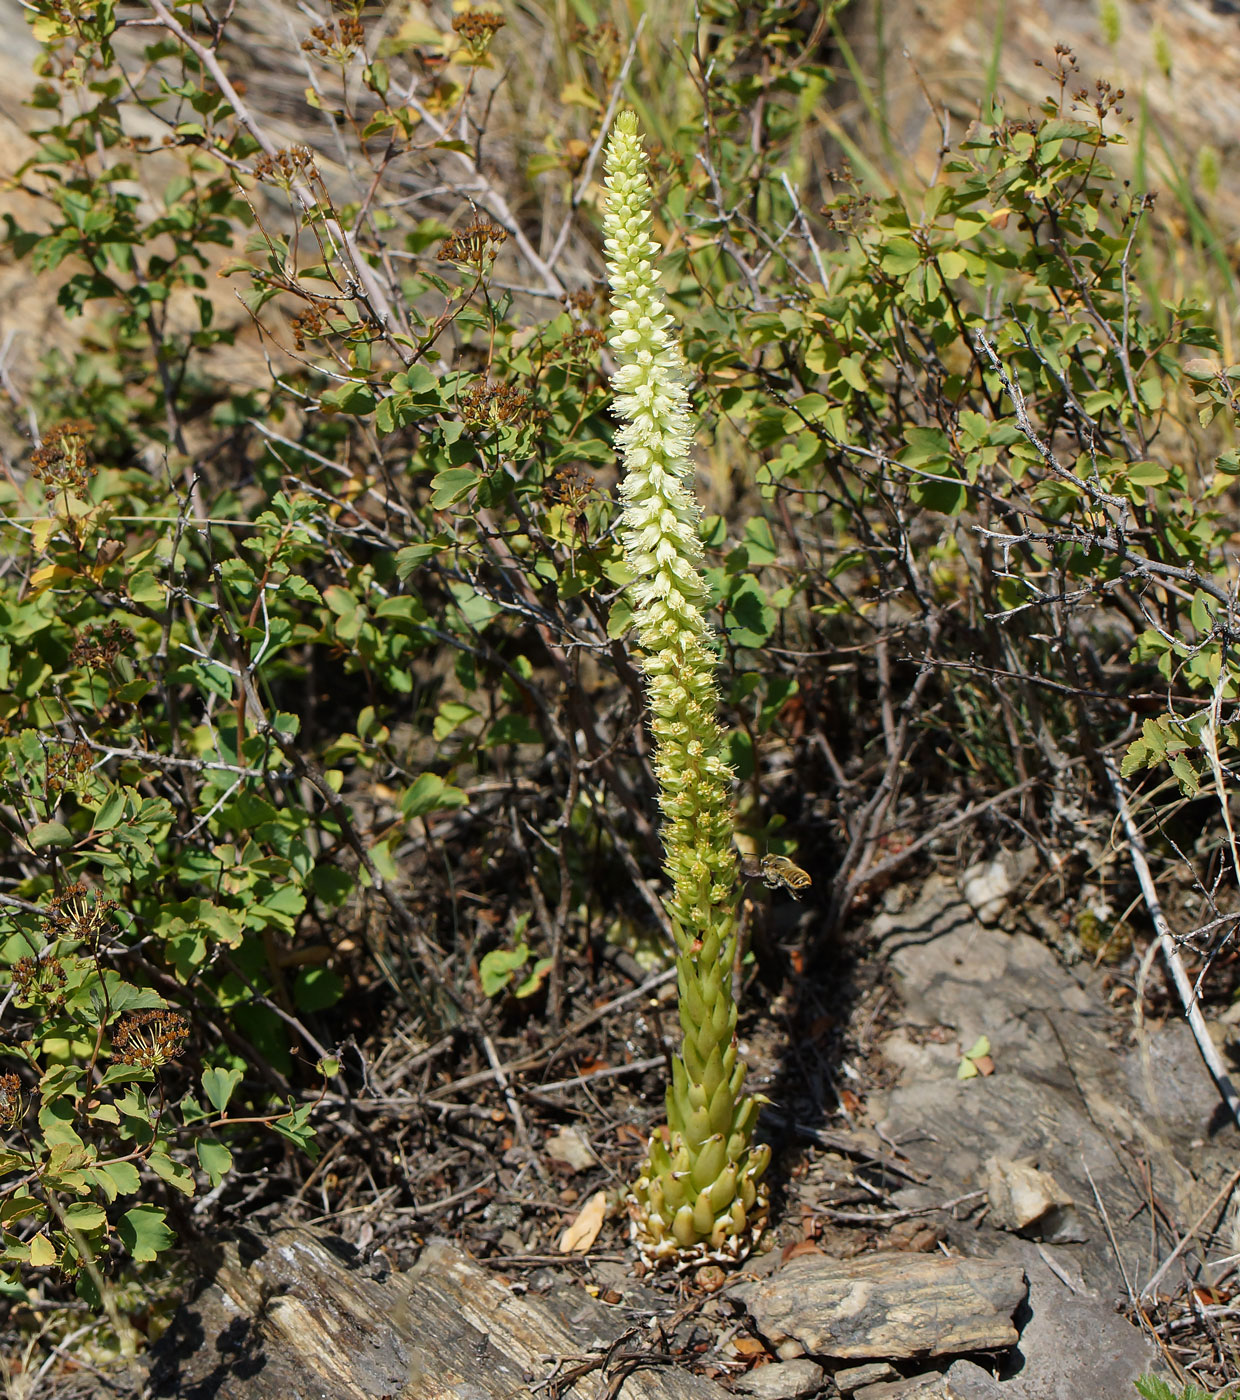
(1166,941)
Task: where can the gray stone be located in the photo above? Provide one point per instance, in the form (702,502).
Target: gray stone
(1059,1097)
(783,1380)
(888,1305)
(988,884)
(967,1381)
(1073,1343)
(854,1377)
(295,1313)
(1164,1073)
(1027,1199)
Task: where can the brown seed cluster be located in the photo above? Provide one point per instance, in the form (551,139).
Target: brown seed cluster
(478,28)
(1065,64)
(150,1038)
(12,1104)
(848,212)
(40,980)
(67,766)
(1104,99)
(310,323)
(581,344)
(571,490)
(98,647)
(850,209)
(62,462)
(337,40)
(286,165)
(491,404)
(78,914)
(473,244)
(585,299)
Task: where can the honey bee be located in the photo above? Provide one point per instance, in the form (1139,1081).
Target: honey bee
(777,871)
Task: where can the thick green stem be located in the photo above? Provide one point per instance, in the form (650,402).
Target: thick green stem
(699,1195)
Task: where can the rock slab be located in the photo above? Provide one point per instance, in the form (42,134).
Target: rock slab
(1085,1119)
(1070,1123)
(298,1314)
(1073,1343)
(888,1306)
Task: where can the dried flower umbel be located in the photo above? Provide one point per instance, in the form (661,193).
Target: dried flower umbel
(12,1103)
(78,914)
(67,766)
(477,243)
(62,462)
(337,40)
(699,1195)
(98,647)
(486,405)
(477,28)
(286,167)
(40,980)
(310,323)
(150,1038)
(584,343)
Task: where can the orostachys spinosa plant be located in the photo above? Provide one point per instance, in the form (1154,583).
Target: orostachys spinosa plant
(699,1195)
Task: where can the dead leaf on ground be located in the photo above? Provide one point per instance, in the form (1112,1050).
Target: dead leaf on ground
(748,1346)
(582,1233)
(569,1147)
(795,1250)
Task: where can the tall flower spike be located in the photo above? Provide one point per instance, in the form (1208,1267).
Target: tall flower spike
(699,1195)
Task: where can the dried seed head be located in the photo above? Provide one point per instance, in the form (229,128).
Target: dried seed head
(78,914)
(67,766)
(40,980)
(150,1038)
(581,344)
(12,1103)
(587,298)
(491,404)
(474,244)
(285,166)
(62,463)
(337,40)
(97,647)
(477,28)
(310,323)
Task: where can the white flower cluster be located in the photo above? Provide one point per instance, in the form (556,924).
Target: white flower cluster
(661,512)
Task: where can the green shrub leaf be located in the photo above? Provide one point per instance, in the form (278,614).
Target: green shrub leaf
(218,1085)
(144,1233)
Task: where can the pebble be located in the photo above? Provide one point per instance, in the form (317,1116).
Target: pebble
(783,1380)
